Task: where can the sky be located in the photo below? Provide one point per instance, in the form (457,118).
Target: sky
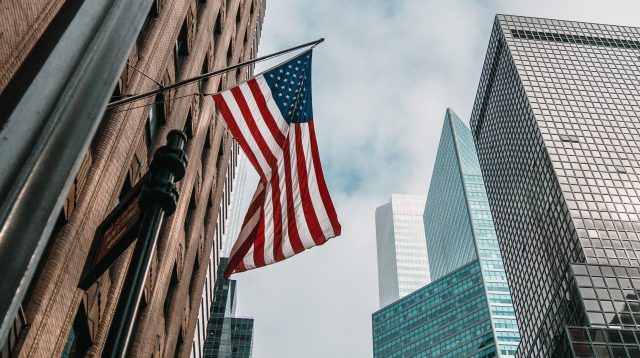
(382,81)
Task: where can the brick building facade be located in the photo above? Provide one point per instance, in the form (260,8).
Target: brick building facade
(179,39)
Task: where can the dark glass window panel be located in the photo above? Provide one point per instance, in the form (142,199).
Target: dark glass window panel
(628,337)
(618,352)
(600,351)
(181,48)
(613,336)
(582,350)
(597,335)
(155,120)
(626,319)
(611,318)
(578,335)
(633,352)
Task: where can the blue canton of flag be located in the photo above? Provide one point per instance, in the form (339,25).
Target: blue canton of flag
(291,88)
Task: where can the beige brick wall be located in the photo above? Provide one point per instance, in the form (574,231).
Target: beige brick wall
(118,151)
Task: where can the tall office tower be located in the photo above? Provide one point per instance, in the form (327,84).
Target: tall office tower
(402,251)
(466,311)
(217,258)
(177,39)
(556,124)
(227,336)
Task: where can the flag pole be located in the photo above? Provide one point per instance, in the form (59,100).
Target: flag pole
(133,98)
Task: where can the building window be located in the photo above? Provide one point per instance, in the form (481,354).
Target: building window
(182,47)
(79,339)
(205,69)
(126,187)
(217,28)
(229,55)
(179,345)
(206,149)
(190,212)
(166,307)
(188,126)
(199,4)
(194,274)
(155,120)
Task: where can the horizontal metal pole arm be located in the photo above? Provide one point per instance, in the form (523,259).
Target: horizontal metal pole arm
(137,97)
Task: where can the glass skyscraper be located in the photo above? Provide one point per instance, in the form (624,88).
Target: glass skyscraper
(447,318)
(556,123)
(228,336)
(402,251)
(467,310)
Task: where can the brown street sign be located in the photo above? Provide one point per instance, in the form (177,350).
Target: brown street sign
(114,235)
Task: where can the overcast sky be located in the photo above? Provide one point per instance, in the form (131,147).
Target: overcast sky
(382,81)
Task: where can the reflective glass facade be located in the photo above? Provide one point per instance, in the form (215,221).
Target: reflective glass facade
(227,336)
(447,318)
(556,127)
(402,251)
(459,226)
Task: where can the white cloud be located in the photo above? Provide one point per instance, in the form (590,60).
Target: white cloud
(382,81)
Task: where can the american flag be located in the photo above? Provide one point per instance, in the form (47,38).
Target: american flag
(271,118)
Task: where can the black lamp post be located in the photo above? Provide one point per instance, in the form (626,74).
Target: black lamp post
(159,200)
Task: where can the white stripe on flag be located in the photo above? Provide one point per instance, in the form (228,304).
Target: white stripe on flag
(268,226)
(274,147)
(246,133)
(287,249)
(314,190)
(271,104)
(303,228)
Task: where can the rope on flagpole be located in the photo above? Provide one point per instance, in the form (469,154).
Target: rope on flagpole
(137,97)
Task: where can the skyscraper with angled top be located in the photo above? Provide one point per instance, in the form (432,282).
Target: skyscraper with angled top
(402,251)
(466,311)
(556,126)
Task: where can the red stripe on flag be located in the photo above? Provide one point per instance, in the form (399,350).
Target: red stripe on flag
(278,255)
(307,205)
(266,113)
(292,227)
(253,128)
(237,257)
(221,104)
(258,243)
(322,185)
